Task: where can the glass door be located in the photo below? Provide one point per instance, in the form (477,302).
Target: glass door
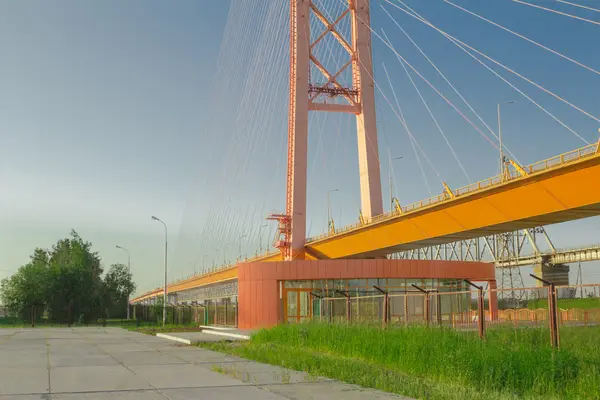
(305,311)
(292,306)
(297,305)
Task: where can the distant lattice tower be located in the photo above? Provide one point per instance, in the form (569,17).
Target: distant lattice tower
(507,247)
(331,93)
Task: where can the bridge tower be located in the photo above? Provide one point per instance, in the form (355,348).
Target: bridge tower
(328,93)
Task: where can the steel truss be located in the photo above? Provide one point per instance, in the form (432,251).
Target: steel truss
(509,251)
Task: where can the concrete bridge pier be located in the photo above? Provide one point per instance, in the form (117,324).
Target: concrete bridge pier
(556,273)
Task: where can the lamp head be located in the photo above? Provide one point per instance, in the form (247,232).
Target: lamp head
(154,218)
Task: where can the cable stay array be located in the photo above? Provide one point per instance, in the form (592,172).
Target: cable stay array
(223,222)
(558,12)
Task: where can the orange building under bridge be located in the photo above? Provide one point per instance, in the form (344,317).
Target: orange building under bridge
(269,293)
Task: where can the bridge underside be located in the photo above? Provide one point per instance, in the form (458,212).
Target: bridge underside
(552,196)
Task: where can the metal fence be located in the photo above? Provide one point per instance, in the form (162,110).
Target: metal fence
(140,315)
(176,314)
(222,312)
(551,307)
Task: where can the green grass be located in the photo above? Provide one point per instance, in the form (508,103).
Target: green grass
(153,330)
(11,322)
(567,304)
(436,363)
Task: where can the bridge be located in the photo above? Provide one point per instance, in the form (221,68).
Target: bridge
(519,199)
(546,192)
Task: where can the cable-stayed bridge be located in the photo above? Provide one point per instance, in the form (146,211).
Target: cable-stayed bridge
(331,72)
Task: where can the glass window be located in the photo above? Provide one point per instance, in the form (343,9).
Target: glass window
(292,303)
(298,284)
(357,283)
(339,284)
(374,282)
(304,306)
(318,285)
(396,283)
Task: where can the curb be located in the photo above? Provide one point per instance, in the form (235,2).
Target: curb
(227,334)
(175,338)
(216,328)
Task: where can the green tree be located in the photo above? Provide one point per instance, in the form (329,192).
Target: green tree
(118,286)
(75,292)
(65,283)
(24,293)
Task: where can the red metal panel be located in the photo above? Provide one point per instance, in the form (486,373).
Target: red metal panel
(381,268)
(346,270)
(259,282)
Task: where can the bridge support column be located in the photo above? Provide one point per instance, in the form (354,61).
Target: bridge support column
(558,274)
(493,300)
(298,124)
(366,121)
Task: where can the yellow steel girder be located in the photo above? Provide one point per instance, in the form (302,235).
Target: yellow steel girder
(552,195)
(559,189)
(222,275)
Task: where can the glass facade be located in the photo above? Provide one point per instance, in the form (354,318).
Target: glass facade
(339,299)
(361,300)
(331,288)
(228,291)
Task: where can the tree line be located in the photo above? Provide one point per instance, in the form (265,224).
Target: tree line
(67,284)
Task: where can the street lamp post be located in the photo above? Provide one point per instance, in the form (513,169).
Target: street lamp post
(329,207)
(225,253)
(216,258)
(128,270)
(240,245)
(202,262)
(500,139)
(165,288)
(260,236)
(391,181)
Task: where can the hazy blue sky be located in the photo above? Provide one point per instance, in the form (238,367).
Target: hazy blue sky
(112,111)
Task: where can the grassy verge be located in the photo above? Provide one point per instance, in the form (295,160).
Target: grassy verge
(153,330)
(11,322)
(567,304)
(436,363)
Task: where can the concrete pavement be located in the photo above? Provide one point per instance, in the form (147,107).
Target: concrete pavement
(112,363)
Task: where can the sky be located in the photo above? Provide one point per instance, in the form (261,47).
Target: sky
(112,111)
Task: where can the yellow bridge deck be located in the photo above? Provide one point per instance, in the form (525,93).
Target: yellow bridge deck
(562,188)
(559,189)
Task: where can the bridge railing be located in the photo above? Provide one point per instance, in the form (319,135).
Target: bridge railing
(562,159)
(498,180)
(209,272)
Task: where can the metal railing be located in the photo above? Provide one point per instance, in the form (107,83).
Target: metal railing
(176,314)
(209,272)
(495,181)
(471,310)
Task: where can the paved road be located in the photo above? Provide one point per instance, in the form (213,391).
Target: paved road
(111,363)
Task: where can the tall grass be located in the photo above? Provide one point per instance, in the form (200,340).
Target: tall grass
(442,363)
(566,304)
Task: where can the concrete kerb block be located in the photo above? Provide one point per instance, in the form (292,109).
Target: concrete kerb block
(216,328)
(176,339)
(227,334)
